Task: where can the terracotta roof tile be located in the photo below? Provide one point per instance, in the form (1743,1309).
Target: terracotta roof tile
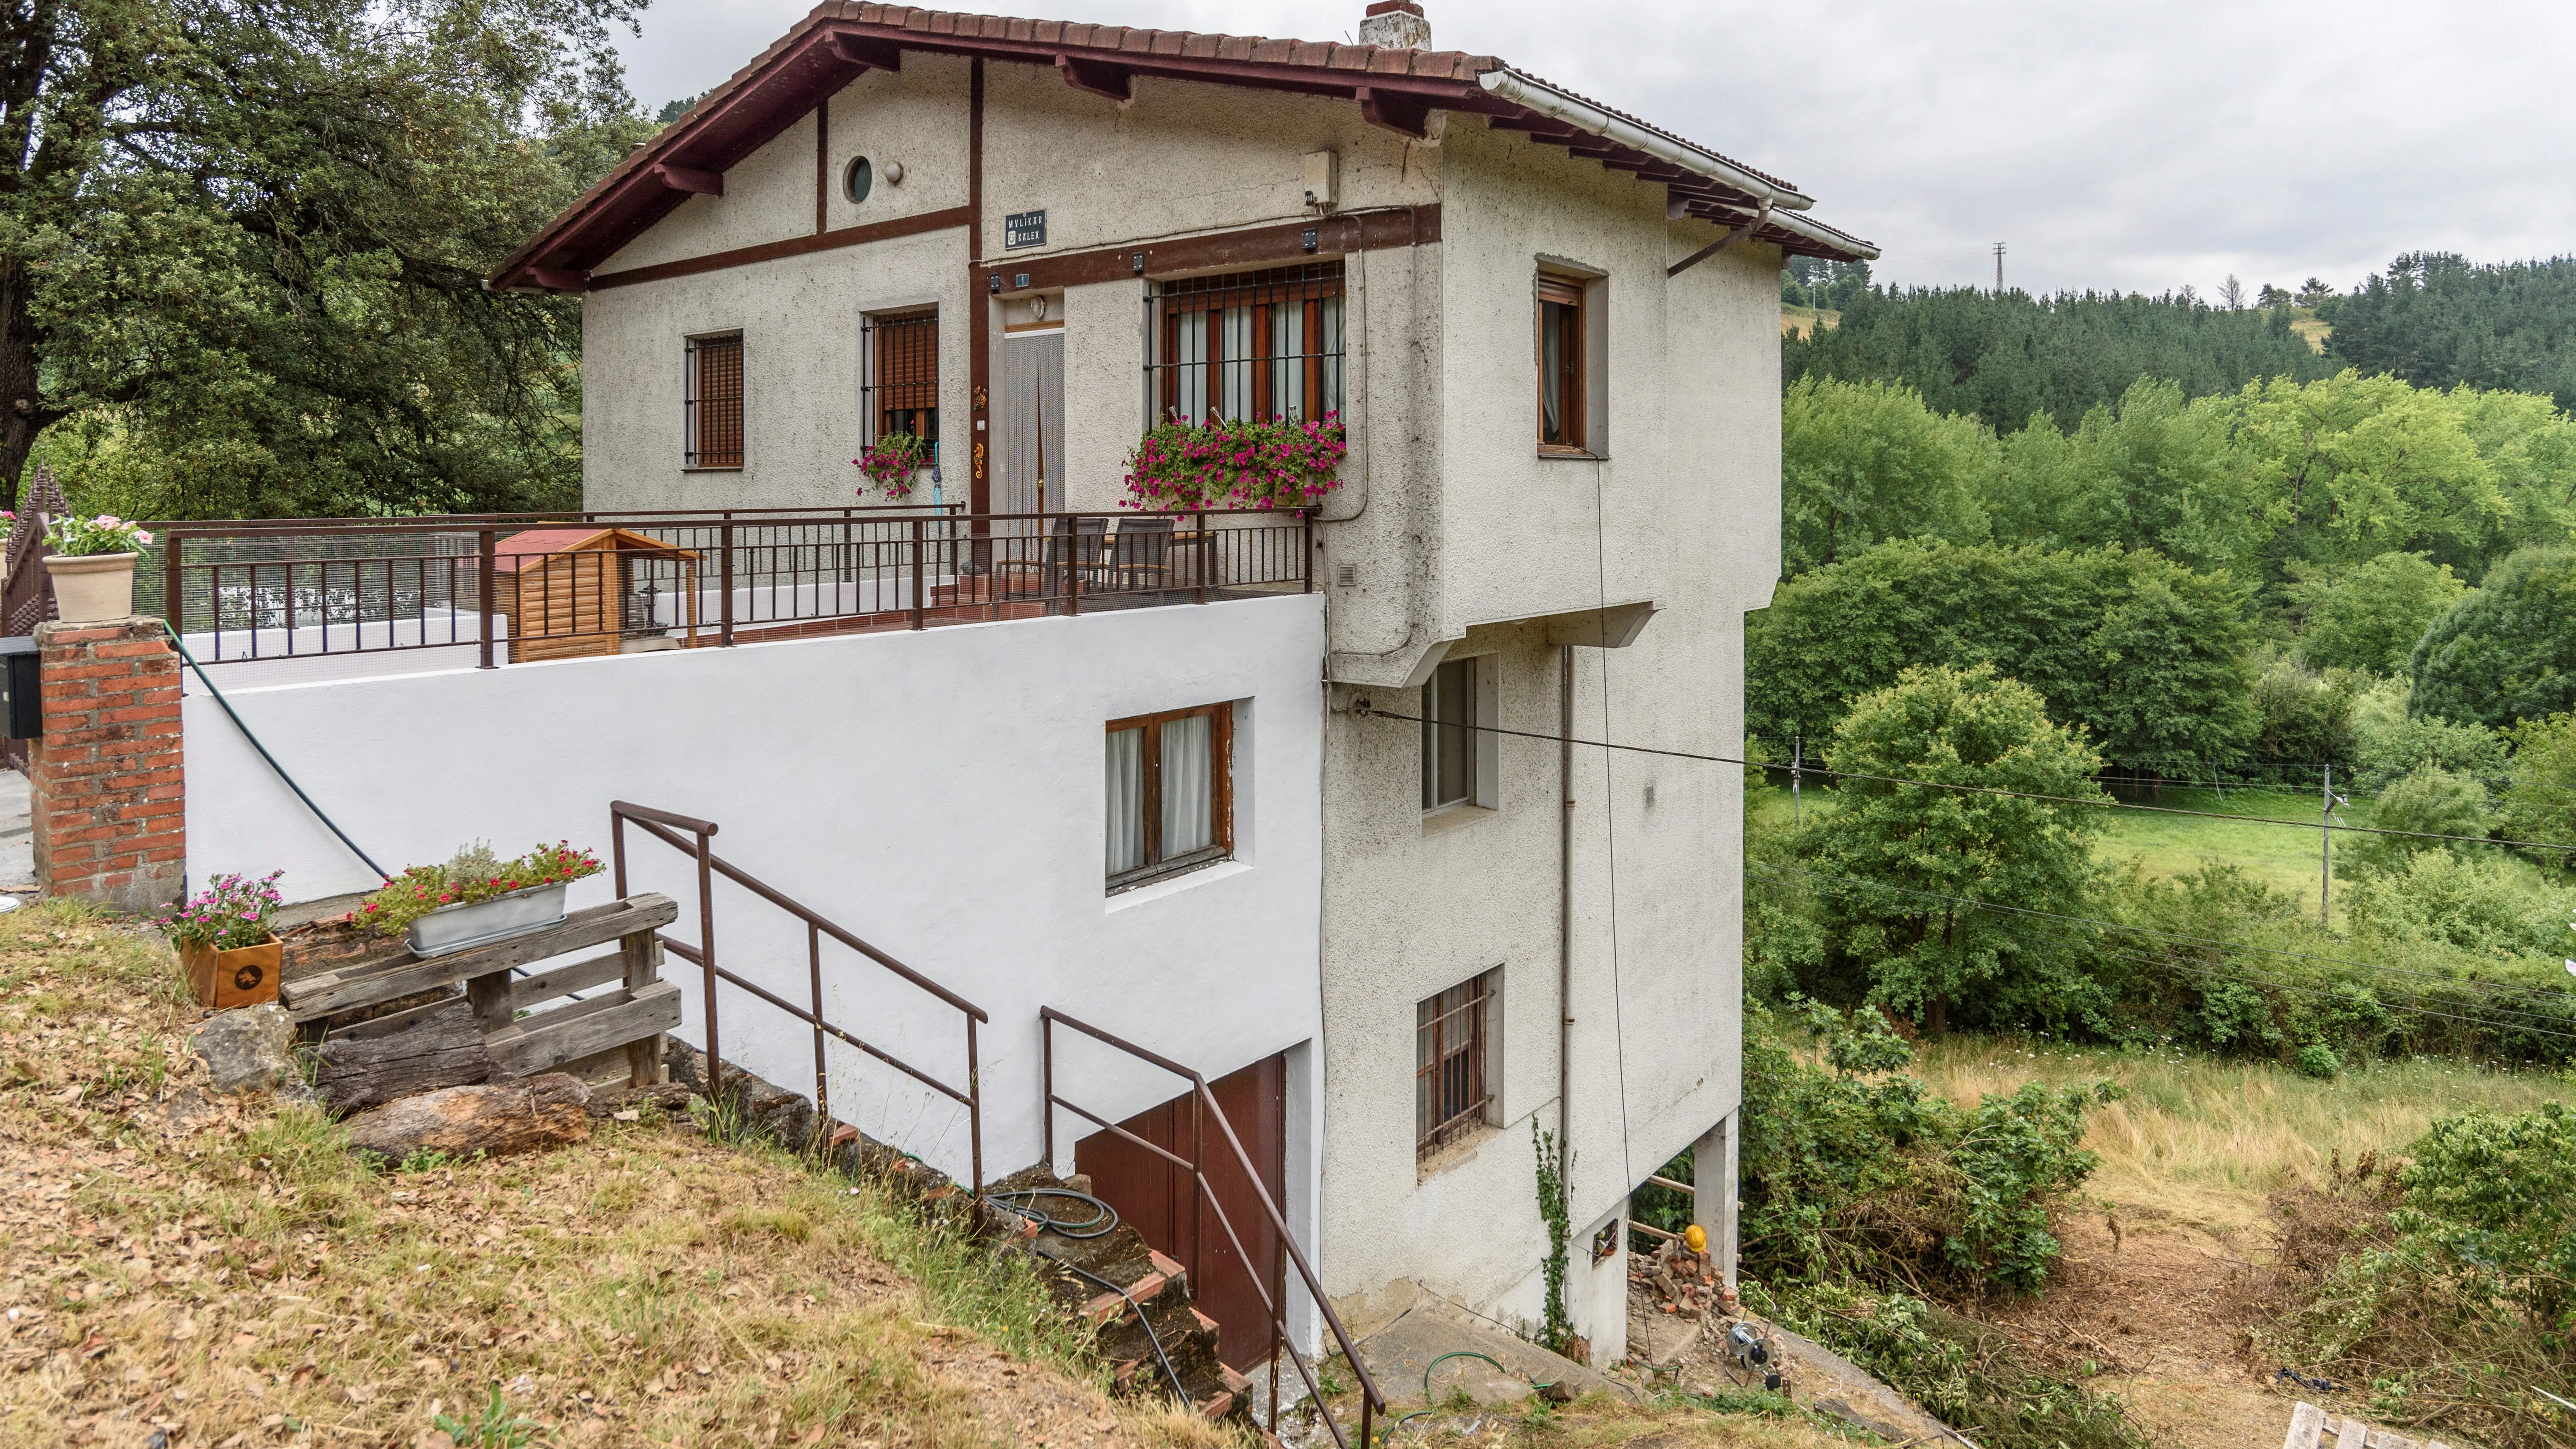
(709,118)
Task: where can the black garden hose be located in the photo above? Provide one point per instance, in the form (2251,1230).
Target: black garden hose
(227,705)
(1142,1321)
(1102,1222)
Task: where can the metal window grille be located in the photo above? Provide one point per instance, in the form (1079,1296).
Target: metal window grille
(1450,1092)
(902,390)
(714,423)
(1247,346)
(1449,739)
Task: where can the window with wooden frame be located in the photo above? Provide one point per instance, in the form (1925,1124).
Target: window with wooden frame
(712,424)
(1247,346)
(901,394)
(1453,746)
(1563,337)
(1452,1062)
(1170,780)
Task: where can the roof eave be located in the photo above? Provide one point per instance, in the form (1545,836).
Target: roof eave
(832,46)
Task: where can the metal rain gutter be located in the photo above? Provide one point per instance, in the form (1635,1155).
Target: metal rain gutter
(1547,100)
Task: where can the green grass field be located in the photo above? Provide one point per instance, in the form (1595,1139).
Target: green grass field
(2280,856)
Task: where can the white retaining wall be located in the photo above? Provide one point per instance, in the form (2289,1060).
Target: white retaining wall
(937,793)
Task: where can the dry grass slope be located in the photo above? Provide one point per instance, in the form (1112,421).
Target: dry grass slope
(2206,1142)
(183,1272)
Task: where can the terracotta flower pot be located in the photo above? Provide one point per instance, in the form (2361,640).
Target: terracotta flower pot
(92,586)
(242,976)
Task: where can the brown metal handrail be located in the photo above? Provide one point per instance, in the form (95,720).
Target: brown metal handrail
(1372,1402)
(286,589)
(355,522)
(665,826)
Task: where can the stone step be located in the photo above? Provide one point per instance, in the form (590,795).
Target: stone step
(1158,1297)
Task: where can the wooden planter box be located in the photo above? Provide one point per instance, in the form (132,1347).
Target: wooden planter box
(243,976)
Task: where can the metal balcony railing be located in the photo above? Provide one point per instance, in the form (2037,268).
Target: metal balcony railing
(516,588)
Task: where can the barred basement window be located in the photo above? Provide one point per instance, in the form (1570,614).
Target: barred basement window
(1453,1048)
(902,390)
(713,421)
(1247,346)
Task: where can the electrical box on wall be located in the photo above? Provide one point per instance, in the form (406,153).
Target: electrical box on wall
(1323,178)
(21,698)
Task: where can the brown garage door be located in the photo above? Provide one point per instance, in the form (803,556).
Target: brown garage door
(1158,1198)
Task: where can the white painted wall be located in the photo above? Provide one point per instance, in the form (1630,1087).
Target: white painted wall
(1683,509)
(1453,530)
(801,321)
(937,793)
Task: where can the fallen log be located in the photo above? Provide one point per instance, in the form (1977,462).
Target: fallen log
(420,1050)
(501,1118)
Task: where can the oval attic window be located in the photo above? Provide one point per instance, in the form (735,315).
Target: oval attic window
(859,178)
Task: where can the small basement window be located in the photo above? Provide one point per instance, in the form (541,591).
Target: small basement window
(1453,1074)
(712,419)
(1170,783)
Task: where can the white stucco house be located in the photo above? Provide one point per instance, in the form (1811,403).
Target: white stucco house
(1325,847)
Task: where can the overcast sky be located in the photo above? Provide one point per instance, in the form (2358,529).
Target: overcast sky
(2136,146)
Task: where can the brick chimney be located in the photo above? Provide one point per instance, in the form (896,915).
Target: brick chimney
(1397,25)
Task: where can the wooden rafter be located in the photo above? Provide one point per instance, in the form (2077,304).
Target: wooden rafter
(866,50)
(1406,115)
(1097,78)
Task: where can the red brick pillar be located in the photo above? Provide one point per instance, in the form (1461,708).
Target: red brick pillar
(105,785)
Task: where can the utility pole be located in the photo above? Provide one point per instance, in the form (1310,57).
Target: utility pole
(1999,269)
(1797,768)
(2325,848)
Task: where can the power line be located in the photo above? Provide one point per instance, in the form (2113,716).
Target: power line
(2224,946)
(2375,968)
(1367,710)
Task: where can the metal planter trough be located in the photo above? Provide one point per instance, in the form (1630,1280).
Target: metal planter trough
(479,923)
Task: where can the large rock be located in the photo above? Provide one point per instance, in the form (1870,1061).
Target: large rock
(249,1050)
(527,1115)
